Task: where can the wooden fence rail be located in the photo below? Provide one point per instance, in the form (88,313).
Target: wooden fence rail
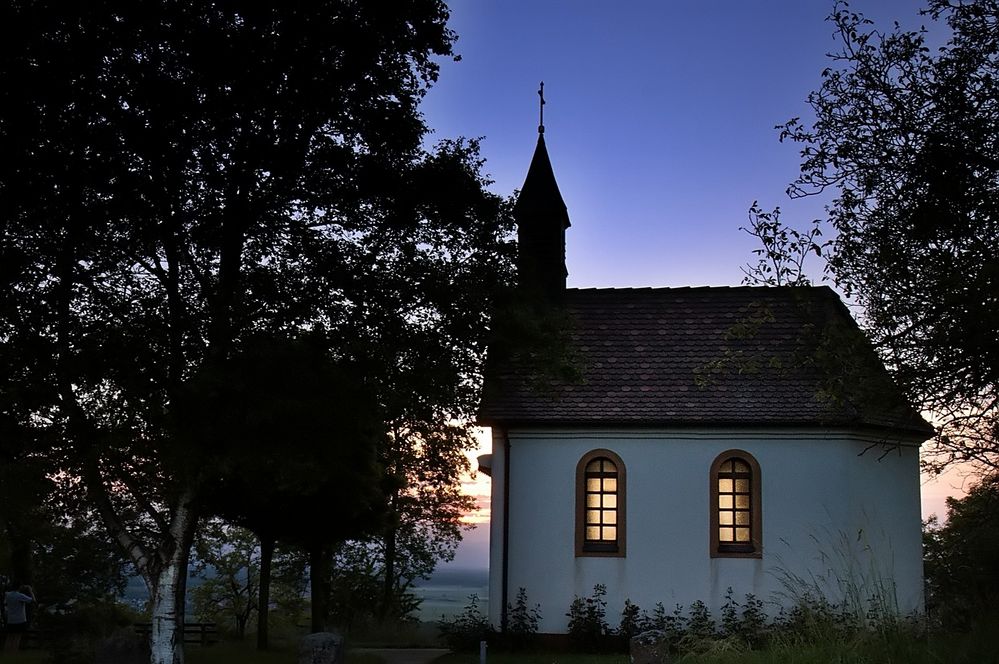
(203,633)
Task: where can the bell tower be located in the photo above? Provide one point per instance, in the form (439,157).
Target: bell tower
(541,218)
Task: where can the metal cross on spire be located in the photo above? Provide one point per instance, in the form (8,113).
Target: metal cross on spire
(541,93)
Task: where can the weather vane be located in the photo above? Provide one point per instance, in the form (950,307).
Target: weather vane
(541,93)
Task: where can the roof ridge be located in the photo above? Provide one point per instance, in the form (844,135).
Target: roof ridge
(619,289)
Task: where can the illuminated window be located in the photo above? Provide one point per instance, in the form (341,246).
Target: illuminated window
(735,505)
(600,505)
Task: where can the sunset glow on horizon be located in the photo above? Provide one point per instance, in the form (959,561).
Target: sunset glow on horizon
(477,484)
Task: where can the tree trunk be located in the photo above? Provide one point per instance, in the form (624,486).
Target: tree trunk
(243,617)
(169,590)
(21,566)
(319,581)
(388,587)
(264,592)
(167,639)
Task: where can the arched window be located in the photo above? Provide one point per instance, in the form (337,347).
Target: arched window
(736,512)
(600,503)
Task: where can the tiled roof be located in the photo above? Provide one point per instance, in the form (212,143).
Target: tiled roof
(711,356)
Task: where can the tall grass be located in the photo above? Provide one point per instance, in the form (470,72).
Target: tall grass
(861,648)
(856,584)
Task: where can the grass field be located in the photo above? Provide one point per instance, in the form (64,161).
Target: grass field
(536,658)
(246,653)
(967,649)
(222,653)
(26,657)
(238,653)
(976,647)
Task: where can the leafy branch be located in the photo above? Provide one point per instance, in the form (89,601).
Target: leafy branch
(783,251)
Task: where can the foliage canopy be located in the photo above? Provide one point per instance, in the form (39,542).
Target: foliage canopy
(905,139)
(961,574)
(181,179)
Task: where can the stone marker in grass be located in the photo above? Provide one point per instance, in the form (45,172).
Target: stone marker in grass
(321,648)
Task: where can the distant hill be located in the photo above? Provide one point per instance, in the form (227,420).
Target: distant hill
(446,592)
(451,576)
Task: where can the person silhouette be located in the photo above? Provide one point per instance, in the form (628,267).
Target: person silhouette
(16,603)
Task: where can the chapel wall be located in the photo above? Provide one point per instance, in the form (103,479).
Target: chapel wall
(830,512)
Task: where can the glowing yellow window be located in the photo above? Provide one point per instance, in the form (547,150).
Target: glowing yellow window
(601,504)
(735,519)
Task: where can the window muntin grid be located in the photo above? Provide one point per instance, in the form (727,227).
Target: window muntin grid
(601,504)
(735,505)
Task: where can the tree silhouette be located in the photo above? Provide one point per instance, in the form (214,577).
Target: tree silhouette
(290,438)
(179,177)
(905,139)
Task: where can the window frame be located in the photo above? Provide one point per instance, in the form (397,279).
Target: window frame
(582,550)
(755,547)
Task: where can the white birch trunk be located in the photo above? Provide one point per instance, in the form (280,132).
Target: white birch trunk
(166,643)
(163,570)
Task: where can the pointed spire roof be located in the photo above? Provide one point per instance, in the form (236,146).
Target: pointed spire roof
(540,193)
(541,218)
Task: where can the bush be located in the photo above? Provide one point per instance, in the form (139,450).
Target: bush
(632,622)
(700,624)
(812,624)
(522,622)
(815,620)
(673,625)
(77,629)
(588,627)
(753,624)
(464,632)
(748,626)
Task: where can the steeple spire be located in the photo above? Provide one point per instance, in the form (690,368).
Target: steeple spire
(541,218)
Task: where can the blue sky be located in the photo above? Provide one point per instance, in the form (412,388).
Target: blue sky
(659,122)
